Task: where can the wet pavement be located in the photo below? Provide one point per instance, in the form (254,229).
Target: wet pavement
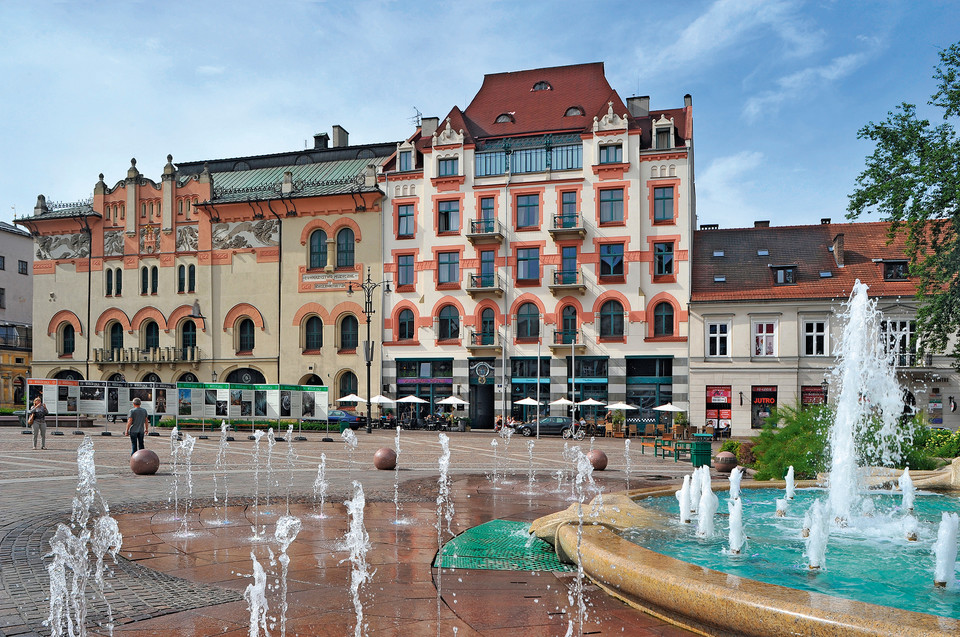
(188,576)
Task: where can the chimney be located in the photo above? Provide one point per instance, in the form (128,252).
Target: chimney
(838,249)
(761,224)
(340,136)
(687,100)
(428,126)
(825,221)
(639,106)
(321,140)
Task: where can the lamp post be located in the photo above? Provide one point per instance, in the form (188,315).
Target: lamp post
(824,386)
(368,287)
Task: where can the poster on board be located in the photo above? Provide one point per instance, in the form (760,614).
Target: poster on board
(93,397)
(314,402)
(164,398)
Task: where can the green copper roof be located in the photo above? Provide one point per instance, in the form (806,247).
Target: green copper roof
(309,180)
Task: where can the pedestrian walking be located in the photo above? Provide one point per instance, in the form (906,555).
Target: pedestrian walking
(37,418)
(136,426)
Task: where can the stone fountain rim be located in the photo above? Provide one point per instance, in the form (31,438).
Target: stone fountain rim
(700,599)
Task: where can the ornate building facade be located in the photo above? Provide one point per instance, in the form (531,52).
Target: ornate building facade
(16,313)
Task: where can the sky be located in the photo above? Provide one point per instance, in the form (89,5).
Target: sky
(780,87)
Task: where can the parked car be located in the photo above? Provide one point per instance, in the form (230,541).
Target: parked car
(340,416)
(550,425)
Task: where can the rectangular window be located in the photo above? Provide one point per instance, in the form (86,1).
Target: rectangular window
(3,263)
(611,154)
(405,220)
(528,211)
(663,204)
(718,339)
(611,259)
(663,138)
(765,338)
(22,267)
(486,216)
(895,271)
(448,264)
(448,167)
(405,161)
(662,259)
(611,205)
(815,338)
(785,276)
(528,264)
(568,203)
(448,216)
(487,268)
(899,342)
(405,269)
(528,160)
(491,163)
(3,298)
(567,157)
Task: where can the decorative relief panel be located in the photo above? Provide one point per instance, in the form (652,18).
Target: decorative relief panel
(63,246)
(113,243)
(149,240)
(246,234)
(187,239)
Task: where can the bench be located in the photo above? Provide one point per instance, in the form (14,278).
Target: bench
(665,446)
(683,446)
(649,441)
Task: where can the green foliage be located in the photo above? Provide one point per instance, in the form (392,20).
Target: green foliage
(745,457)
(618,418)
(911,179)
(800,442)
(733,446)
(681,418)
(941,443)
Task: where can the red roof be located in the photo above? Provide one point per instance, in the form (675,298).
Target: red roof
(749,275)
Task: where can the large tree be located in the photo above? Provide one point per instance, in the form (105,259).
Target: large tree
(913,180)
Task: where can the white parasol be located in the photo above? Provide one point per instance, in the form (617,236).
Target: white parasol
(411,399)
(380,399)
(452,400)
(623,406)
(527,401)
(351,398)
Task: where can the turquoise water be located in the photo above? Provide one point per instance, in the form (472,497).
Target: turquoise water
(869,561)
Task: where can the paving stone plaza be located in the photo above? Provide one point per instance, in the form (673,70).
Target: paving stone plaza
(192,583)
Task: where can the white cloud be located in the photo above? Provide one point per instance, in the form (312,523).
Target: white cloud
(723,190)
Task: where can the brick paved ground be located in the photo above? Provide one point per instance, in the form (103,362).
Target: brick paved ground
(193,584)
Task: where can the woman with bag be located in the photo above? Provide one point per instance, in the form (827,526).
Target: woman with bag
(38,420)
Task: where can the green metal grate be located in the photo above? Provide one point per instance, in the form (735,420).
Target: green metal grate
(499,545)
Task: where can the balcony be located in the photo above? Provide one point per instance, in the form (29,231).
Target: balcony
(567,341)
(24,343)
(484,284)
(568,225)
(483,342)
(565,281)
(485,231)
(155,356)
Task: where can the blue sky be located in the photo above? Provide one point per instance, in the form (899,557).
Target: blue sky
(780,87)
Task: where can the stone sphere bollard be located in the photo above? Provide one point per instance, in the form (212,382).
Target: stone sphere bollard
(385,459)
(725,462)
(598,459)
(144,463)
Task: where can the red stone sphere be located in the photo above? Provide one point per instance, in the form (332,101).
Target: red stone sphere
(598,459)
(385,459)
(725,461)
(144,463)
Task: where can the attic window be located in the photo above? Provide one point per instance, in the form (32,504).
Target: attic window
(895,271)
(826,274)
(573,111)
(763,253)
(504,118)
(718,253)
(720,278)
(542,85)
(784,274)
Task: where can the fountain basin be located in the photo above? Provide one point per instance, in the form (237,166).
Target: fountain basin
(710,601)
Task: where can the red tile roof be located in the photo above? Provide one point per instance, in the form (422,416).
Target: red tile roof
(750,277)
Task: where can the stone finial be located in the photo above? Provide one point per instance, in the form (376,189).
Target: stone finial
(205,177)
(41,206)
(169,169)
(132,172)
(101,187)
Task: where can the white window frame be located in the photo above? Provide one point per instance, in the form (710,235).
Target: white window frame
(766,343)
(823,332)
(710,337)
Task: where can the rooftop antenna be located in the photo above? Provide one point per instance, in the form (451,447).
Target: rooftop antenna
(415,120)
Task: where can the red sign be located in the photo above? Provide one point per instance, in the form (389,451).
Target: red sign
(725,414)
(811,395)
(719,394)
(713,414)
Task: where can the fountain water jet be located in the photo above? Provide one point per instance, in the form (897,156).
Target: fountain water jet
(736,476)
(791,484)
(708,504)
(220,470)
(905,482)
(735,536)
(945,550)
(320,485)
(683,498)
(256,596)
(357,541)
(286,532)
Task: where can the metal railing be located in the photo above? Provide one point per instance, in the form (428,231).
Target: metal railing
(567,221)
(566,337)
(485,226)
(482,338)
(152,355)
(17,342)
(567,277)
(484,281)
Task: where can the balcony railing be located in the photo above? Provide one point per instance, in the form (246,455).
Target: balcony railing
(485,231)
(566,224)
(17,342)
(152,355)
(484,283)
(566,280)
(912,359)
(565,340)
(483,339)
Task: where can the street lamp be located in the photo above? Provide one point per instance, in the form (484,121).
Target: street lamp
(824,386)
(368,287)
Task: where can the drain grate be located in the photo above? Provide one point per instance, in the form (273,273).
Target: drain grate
(499,545)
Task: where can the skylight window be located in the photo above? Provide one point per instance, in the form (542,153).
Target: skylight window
(826,274)
(542,85)
(763,253)
(504,118)
(718,253)
(720,278)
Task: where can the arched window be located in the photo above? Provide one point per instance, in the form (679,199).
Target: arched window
(151,335)
(67,340)
(154,279)
(109,286)
(349,332)
(151,378)
(191,278)
(144,280)
(118,281)
(542,85)
(345,243)
(318,249)
(573,111)
(116,336)
(245,336)
(348,384)
(488,327)
(568,328)
(188,338)
(449,327)
(313,334)
(528,321)
(405,328)
(181,279)
(611,319)
(663,319)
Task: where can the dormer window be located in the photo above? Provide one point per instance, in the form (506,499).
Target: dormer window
(663,138)
(895,271)
(784,274)
(504,118)
(405,160)
(542,85)
(611,154)
(574,111)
